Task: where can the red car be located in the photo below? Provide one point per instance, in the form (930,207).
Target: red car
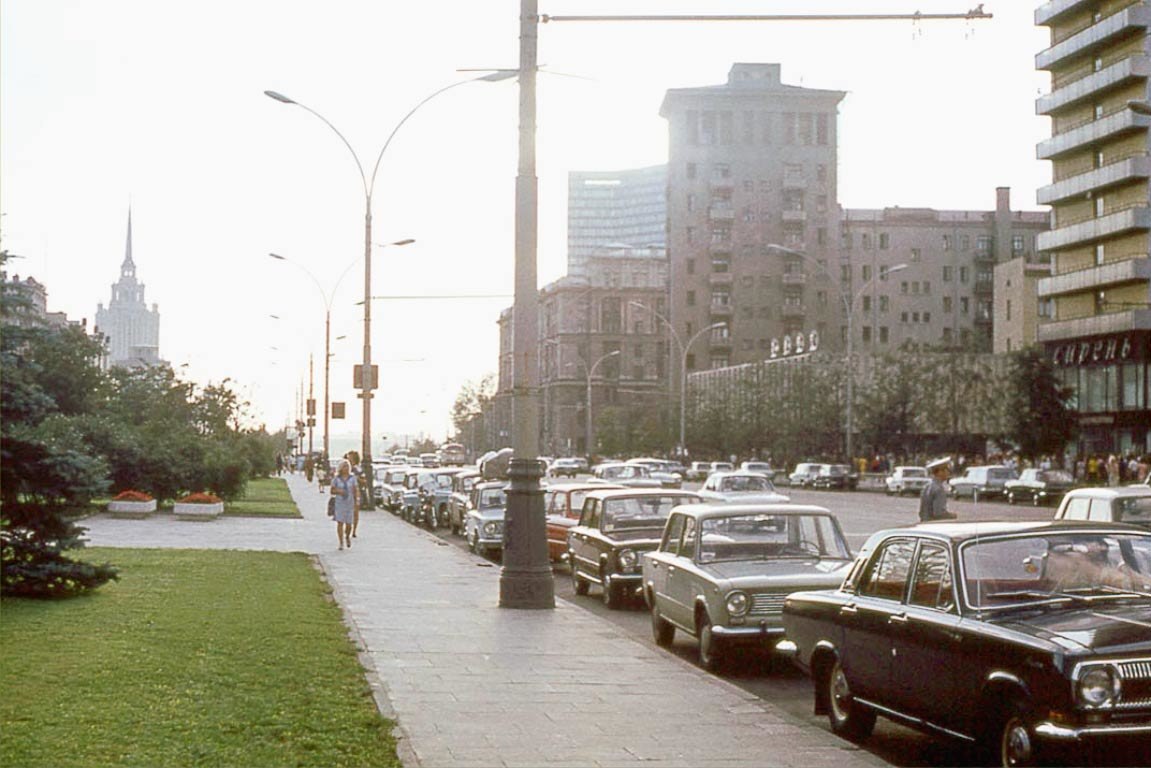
(562,503)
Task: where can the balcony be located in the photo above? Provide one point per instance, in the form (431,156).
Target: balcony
(720,247)
(795,279)
(1093,132)
(1051,12)
(720,338)
(720,278)
(794,180)
(721,213)
(792,310)
(721,309)
(1108,78)
(1081,233)
(1096,278)
(795,216)
(1136,168)
(721,182)
(1096,325)
(1133,20)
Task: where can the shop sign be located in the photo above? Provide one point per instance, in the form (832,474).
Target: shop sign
(1110,349)
(798,344)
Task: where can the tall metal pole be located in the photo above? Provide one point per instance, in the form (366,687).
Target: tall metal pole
(683,382)
(367,382)
(327,374)
(526,579)
(589,437)
(312,404)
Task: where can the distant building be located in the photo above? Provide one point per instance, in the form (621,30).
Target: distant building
(1018,308)
(622,209)
(131,330)
(1099,333)
(28,304)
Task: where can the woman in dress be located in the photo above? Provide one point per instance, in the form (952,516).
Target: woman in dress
(347,497)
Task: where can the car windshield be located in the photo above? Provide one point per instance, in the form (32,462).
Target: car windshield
(746,483)
(1055,476)
(1056,567)
(1135,509)
(492,497)
(760,537)
(914,472)
(637,512)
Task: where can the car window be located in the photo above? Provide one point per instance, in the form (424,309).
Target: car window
(915,473)
(1076,508)
(492,497)
(590,514)
(1135,510)
(690,534)
(932,587)
(550,506)
(1100,510)
(887,575)
(636,512)
(672,535)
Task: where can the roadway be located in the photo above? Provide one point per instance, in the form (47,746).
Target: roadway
(860,514)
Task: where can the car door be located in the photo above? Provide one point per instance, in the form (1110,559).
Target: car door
(926,641)
(867,619)
(582,551)
(681,586)
(661,561)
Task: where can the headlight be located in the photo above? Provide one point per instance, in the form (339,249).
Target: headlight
(628,559)
(1098,687)
(491,529)
(737,603)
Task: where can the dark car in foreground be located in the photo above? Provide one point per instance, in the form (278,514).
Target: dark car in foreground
(615,528)
(1039,486)
(723,570)
(1023,639)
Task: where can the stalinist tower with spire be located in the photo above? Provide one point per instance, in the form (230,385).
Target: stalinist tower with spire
(130,329)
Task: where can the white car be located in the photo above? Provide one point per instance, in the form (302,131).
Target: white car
(741,488)
(907,480)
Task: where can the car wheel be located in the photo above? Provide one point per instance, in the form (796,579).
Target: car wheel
(847,718)
(1010,497)
(1009,739)
(579,583)
(662,630)
(612,596)
(710,646)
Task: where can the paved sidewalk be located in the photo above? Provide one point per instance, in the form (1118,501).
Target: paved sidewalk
(472,684)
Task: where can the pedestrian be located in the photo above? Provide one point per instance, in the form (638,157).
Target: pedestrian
(1113,470)
(933,499)
(309,467)
(279,464)
(345,502)
(353,458)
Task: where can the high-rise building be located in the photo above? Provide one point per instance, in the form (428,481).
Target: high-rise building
(130,329)
(615,208)
(751,165)
(1099,331)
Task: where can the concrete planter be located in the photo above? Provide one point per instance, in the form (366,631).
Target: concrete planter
(135,510)
(198,512)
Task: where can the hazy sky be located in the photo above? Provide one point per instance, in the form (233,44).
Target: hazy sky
(159,105)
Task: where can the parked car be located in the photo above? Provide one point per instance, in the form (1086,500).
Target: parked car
(1122,504)
(762,467)
(910,480)
(417,482)
(982,482)
(439,497)
(838,477)
(615,528)
(740,487)
(699,470)
(484,523)
(722,572)
(804,473)
(565,467)
(389,488)
(562,504)
(661,470)
(462,484)
(1038,486)
(620,473)
(1019,637)
(430,459)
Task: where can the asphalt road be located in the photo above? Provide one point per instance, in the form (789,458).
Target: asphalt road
(860,514)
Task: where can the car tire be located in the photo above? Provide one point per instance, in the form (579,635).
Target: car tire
(662,630)
(847,718)
(1008,739)
(612,595)
(711,650)
(579,584)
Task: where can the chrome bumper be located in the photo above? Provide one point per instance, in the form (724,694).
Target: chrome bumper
(755,632)
(1060,732)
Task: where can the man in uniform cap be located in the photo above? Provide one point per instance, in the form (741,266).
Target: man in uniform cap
(933,500)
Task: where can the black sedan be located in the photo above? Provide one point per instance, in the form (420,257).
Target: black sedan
(1023,639)
(1039,486)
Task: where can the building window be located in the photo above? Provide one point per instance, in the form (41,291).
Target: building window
(806,128)
(965,243)
(1100,256)
(915,287)
(691,170)
(690,235)
(748,127)
(866,241)
(915,317)
(690,203)
(926,317)
(788,127)
(947,274)
(821,132)
(689,358)
(726,128)
(846,240)
(903,317)
(691,298)
(866,334)
(866,303)
(883,334)
(916,254)
(963,275)
(691,266)
(947,306)
(707,128)
(927,286)
(1017,244)
(883,241)
(866,272)
(821,173)
(884,304)
(946,335)
(1045,308)
(947,242)
(721,171)
(821,236)
(1009,310)
(983,244)
(903,287)
(964,305)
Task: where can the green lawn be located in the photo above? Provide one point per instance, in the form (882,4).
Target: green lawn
(265,497)
(209,658)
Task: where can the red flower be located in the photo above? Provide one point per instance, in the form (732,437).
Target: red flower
(200,498)
(132,496)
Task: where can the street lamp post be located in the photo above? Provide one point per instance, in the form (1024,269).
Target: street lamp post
(588,414)
(367,379)
(849,309)
(683,348)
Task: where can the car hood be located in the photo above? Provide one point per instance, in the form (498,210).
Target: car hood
(749,497)
(802,573)
(648,536)
(489,513)
(1102,628)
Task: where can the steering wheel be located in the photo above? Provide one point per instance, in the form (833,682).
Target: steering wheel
(803,546)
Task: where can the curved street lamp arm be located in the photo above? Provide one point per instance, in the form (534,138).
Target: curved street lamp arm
(662,319)
(308,272)
(595,365)
(359,166)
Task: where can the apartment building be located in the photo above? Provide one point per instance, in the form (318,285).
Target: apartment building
(1099,332)
(620,208)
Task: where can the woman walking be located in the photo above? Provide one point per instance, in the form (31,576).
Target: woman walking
(346,495)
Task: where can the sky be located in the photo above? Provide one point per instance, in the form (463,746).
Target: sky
(159,107)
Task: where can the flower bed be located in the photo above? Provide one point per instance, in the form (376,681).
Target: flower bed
(199,506)
(135,505)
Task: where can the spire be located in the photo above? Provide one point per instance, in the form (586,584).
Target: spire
(128,268)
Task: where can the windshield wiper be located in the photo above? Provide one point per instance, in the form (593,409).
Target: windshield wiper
(1035,594)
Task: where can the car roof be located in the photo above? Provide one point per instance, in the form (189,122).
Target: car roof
(567,487)
(709,509)
(960,531)
(619,493)
(911,466)
(1125,491)
(490,484)
(736,473)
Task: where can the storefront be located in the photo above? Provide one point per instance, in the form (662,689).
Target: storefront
(1109,378)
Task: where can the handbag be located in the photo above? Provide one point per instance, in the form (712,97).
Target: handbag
(332,506)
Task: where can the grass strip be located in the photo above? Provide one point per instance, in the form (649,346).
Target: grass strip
(264,497)
(193,658)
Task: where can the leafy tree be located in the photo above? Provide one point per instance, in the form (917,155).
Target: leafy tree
(471,400)
(1041,421)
